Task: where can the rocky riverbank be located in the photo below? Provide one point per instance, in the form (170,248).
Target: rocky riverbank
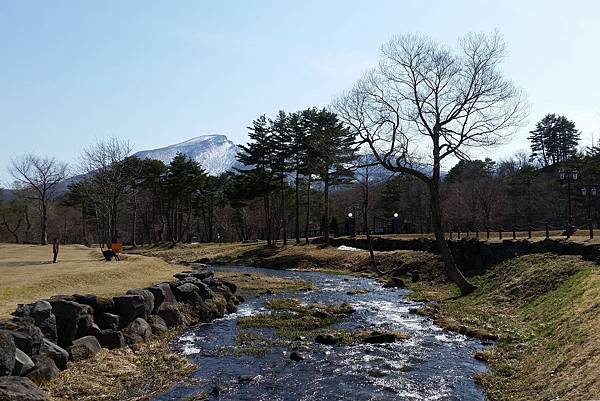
(45,337)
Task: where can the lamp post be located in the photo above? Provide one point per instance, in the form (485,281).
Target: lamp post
(589,192)
(568,175)
(350,225)
(396,223)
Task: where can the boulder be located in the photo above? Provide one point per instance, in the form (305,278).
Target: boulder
(59,355)
(67,319)
(378,337)
(130,307)
(171,315)
(20,389)
(90,300)
(26,335)
(111,339)
(186,292)
(137,331)
(327,339)
(104,305)
(148,299)
(169,296)
(199,273)
(84,348)
(297,356)
(45,369)
(108,321)
(41,313)
(7,353)
(159,297)
(158,324)
(94,330)
(84,324)
(232,287)
(23,363)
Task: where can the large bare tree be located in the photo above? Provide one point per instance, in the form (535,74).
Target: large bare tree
(40,176)
(105,166)
(426,104)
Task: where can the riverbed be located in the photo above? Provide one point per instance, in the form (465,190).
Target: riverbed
(430,365)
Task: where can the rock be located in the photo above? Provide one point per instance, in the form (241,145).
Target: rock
(148,299)
(137,331)
(169,297)
(7,353)
(240,298)
(378,337)
(111,339)
(185,292)
(130,307)
(67,319)
(171,315)
(90,300)
(232,287)
(297,356)
(26,335)
(108,321)
(84,348)
(158,325)
(20,389)
(59,355)
(327,339)
(41,313)
(200,273)
(104,305)
(84,324)
(394,282)
(159,297)
(44,370)
(94,330)
(357,291)
(23,363)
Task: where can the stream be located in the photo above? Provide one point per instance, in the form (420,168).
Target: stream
(431,365)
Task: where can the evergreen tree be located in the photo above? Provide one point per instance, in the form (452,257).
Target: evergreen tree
(554,140)
(281,152)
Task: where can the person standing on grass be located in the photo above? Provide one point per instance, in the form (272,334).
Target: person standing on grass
(55,249)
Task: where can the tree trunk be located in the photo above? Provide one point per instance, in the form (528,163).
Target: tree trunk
(43,222)
(283,216)
(452,270)
(297,209)
(134,221)
(326,202)
(306,226)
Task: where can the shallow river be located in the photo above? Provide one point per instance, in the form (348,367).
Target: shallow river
(431,365)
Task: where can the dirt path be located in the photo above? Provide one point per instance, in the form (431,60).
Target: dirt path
(28,274)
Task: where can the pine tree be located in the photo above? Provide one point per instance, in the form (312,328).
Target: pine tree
(280,144)
(554,140)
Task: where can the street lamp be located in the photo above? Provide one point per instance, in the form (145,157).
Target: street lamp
(589,192)
(568,175)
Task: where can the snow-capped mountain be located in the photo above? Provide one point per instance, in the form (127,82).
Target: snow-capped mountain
(215,153)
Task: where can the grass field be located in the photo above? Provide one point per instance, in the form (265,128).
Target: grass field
(28,273)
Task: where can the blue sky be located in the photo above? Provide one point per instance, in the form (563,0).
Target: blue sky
(160,72)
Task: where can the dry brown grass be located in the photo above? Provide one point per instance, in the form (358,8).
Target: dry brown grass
(28,273)
(122,374)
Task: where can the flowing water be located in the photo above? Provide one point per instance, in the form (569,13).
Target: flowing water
(431,365)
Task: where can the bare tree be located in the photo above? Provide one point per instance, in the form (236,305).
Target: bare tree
(105,165)
(40,175)
(425,104)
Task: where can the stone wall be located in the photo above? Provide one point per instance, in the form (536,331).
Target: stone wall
(43,337)
(474,256)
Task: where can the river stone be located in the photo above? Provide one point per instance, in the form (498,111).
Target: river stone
(148,299)
(130,307)
(41,313)
(67,319)
(169,296)
(171,315)
(108,321)
(59,355)
(7,353)
(26,335)
(84,348)
(185,292)
(159,297)
(378,337)
(44,369)
(23,363)
(232,287)
(104,305)
(297,356)
(14,388)
(137,331)
(90,300)
(158,324)
(327,339)
(111,339)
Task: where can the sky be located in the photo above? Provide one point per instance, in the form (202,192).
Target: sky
(161,72)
